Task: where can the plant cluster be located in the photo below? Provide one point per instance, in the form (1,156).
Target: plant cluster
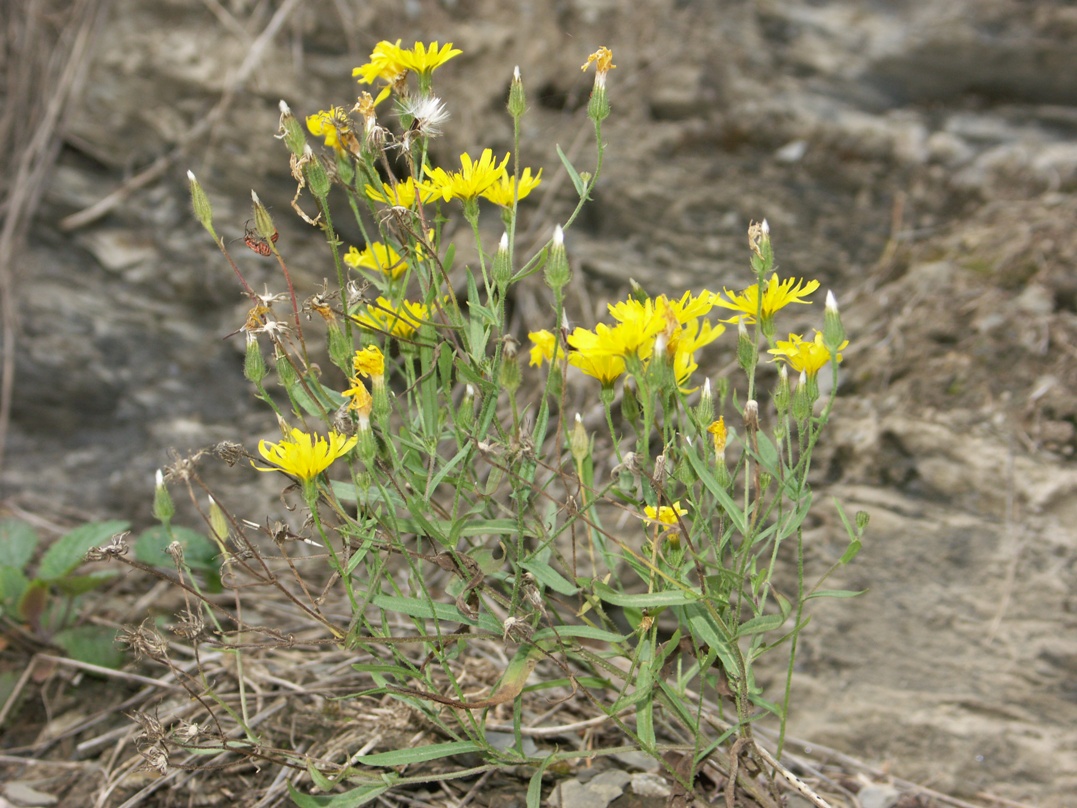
(457,509)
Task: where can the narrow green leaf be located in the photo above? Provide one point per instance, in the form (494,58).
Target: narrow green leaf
(760,625)
(577,181)
(646,600)
(446,612)
(708,633)
(851,551)
(549,577)
(435,481)
(73,585)
(419,754)
(836,593)
(583,632)
(735,514)
(534,785)
(645,684)
(69,551)
(17,543)
(349,799)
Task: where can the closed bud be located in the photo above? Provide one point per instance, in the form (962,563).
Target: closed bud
(502,268)
(557,271)
(803,399)
(705,408)
(751,416)
(510,366)
(579,442)
(862,519)
(316,175)
(782,394)
(263,222)
(254,364)
(291,131)
(517,102)
(163,507)
(200,203)
(465,415)
(833,330)
(746,356)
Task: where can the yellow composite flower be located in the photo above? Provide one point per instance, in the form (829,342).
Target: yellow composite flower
(473,178)
(633,337)
(422,59)
(544,346)
(377,257)
(604,367)
(304,455)
(717,431)
(666,514)
(403,195)
(501,192)
(386,63)
(331,124)
(369,361)
(396,321)
(361,400)
(804,357)
(776,295)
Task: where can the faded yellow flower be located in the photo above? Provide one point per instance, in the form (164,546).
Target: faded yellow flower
(397,321)
(666,514)
(544,347)
(377,257)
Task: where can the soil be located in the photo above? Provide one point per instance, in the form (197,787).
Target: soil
(919,159)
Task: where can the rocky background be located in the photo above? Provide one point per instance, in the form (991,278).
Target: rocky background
(919,158)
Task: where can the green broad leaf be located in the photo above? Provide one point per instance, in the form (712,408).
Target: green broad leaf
(577,180)
(706,476)
(645,684)
(768,455)
(647,600)
(582,632)
(95,645)
(326,400)
(419,754)
(73,585)
(12,586)
(199,553)
(760,625)
(17,543)
(319,779)
(349,799)
(442,612)
(70,550)
(836,593)
(549,577)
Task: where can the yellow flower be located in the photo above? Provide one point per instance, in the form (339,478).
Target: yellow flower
(804,357)
(304,455)
(377,257)
(776,295)
(666,514)
(396,321)
(718,432)
(403,195)
(369,361)
(606,368)
(333,125)
(603,61)
(501,192)
(468,183)
(544,347)
(386,63)
(361,400)
(422,59)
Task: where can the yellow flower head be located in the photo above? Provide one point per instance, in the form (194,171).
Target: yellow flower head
(422,59)
(386,63)
(304,455)
(603,62)
(501,192)
(403,195)
(377,257)
(470,181)
(776,295)
(544,346)
(396,321)
(804,357)
(666,514)
(333,125)
(604,367)
(361,400)
(718,432)
(369,362)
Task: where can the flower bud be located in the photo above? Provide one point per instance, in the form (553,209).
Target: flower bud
(782,394)
(465,415)
(510,366)
(751,416)
(803,399)
(291,131)
(200,203)
(517,102)
(746,356)
(163,507)
(862,519)
(263,222)
(218,523)
(254,364)
(502,268)
(833,330)
(316,175)
(557,271)
(705,407)
(579,442)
